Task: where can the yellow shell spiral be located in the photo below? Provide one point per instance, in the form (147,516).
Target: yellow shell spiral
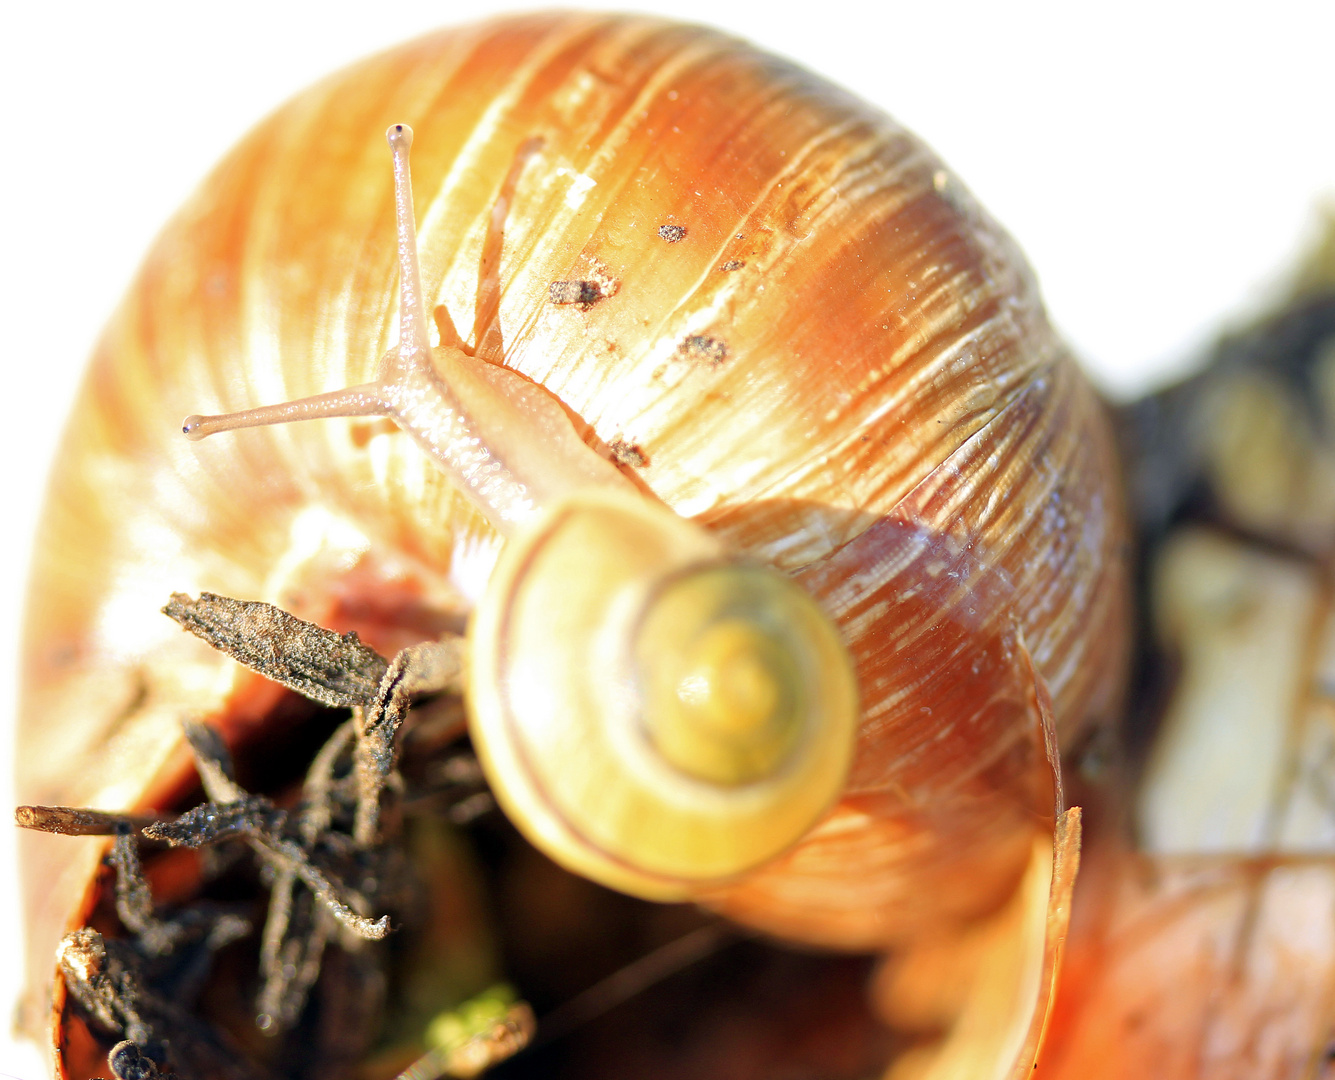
(728,662)
(654,716)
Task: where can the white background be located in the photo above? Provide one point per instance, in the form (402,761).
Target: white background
(1160,163)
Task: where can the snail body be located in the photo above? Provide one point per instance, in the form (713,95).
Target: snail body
(788,325)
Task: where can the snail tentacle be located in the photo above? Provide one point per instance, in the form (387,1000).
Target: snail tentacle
(364,400)
(414,349)
(507,443)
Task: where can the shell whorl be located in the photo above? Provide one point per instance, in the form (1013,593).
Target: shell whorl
(655,717)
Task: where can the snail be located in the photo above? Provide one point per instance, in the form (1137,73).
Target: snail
(721,324)
(713,701)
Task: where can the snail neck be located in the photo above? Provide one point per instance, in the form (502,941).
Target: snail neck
(505,441)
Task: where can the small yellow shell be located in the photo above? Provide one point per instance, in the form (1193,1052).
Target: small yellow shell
(656,719)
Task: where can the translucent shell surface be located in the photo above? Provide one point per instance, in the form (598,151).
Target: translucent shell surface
(770,303)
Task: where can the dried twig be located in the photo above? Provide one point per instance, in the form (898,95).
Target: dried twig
(107,978)
(212,823)
(339,872)
(334,669)
(256,821)
(295,935)
(430,668)
(317,810)
(72,821)
(134,901)
(213,762)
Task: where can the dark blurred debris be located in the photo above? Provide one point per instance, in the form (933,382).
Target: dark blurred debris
(329,858)
(469,1040)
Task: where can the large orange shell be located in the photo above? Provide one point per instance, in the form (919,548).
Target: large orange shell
(881,408)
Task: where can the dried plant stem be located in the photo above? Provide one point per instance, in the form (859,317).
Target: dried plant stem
(326,861)
(291,950)
(317,812)
(336,670)
(429,668)
(107,978)
(134,901)
(72,821)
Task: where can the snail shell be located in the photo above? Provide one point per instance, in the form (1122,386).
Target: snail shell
(799,332)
